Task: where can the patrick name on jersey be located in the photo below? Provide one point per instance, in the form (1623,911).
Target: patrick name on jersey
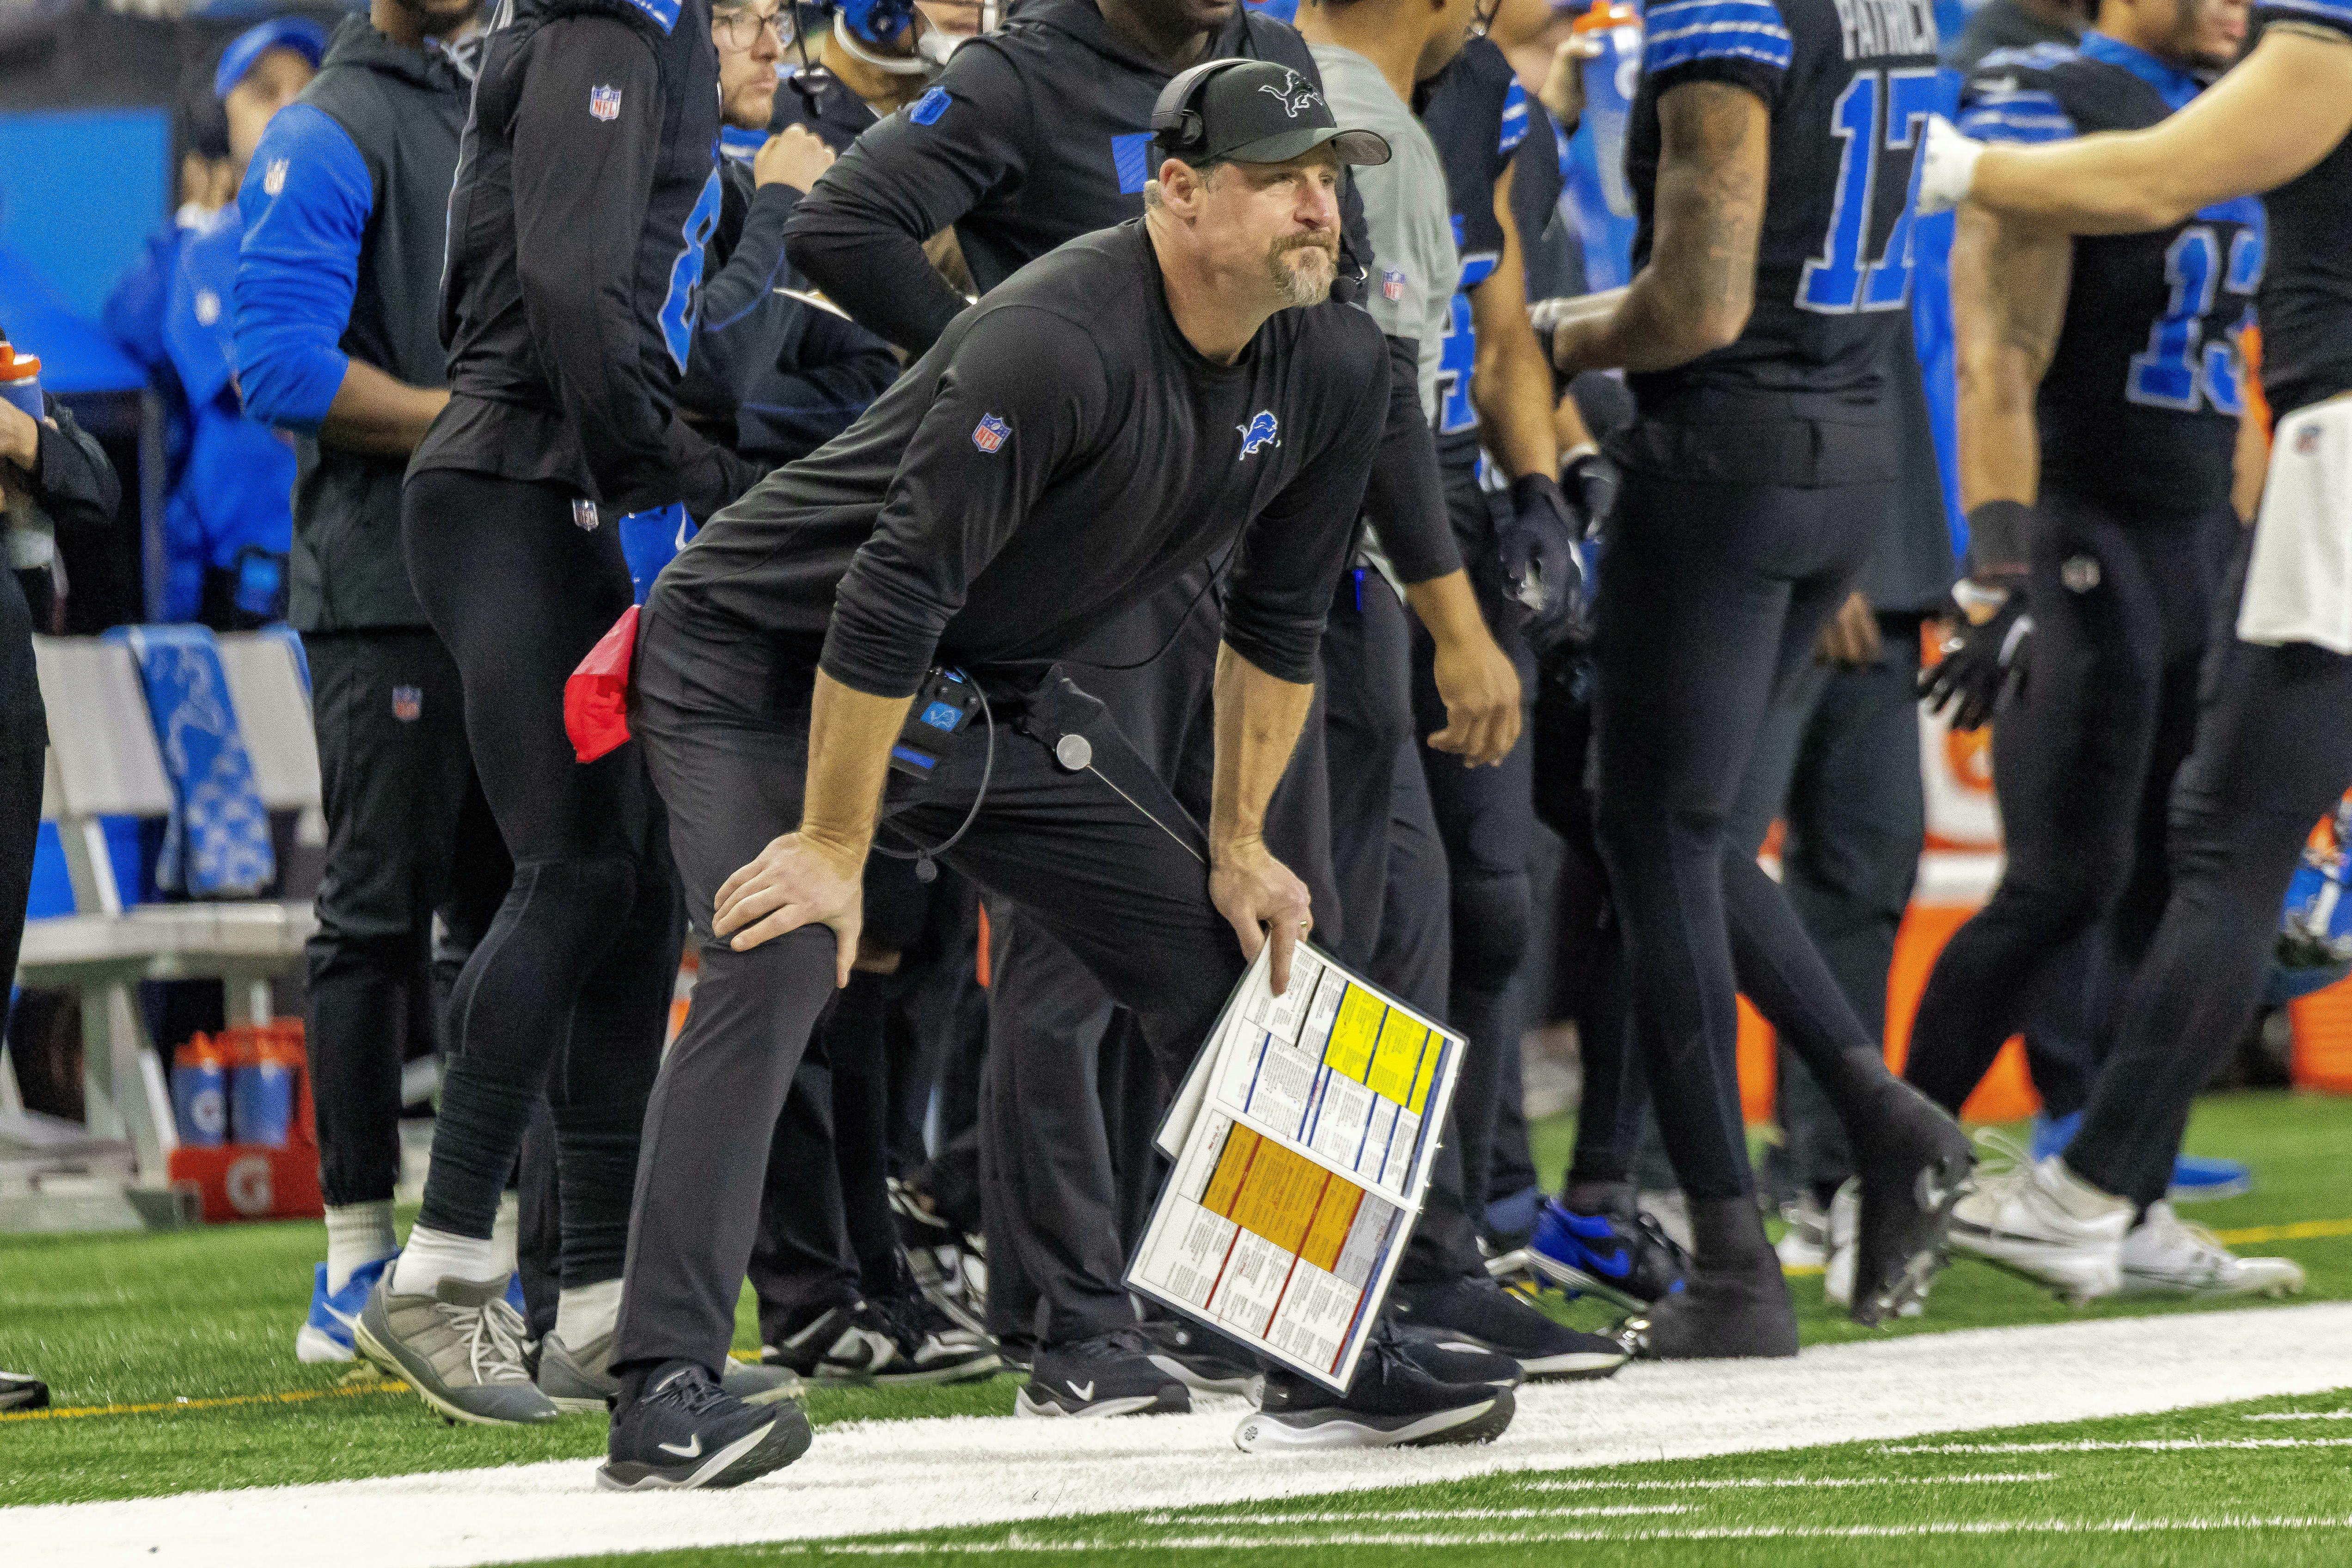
(1873,28)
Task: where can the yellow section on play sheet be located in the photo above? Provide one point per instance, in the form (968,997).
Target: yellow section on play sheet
(1333,1217)
(1278,1199)
(1233,1165)
(1354,1031)
(1427,1075)
(1396,1058)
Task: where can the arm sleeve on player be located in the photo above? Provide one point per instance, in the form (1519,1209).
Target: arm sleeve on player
(1743,42)
(826,373)
(1020,396)
(2001,103)
(1288,559)
(1406,496)
(859,235)
(2335,13)
(305,201)
(735,335)
(581,185)
(72,480)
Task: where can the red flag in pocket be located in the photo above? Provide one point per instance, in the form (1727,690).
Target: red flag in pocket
(596,695)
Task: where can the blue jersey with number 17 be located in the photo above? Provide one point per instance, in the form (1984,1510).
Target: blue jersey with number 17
(1850,85)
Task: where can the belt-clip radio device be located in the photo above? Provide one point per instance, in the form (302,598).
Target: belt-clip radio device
(944,705)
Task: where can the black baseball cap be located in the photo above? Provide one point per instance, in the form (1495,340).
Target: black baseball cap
(1253,111)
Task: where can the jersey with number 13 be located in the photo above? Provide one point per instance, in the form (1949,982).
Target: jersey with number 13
(1850,85)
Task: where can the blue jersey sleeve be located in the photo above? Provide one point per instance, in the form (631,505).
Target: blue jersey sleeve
(306,200)
(2003,102)
(2335,13)
(1515,118)
(1745,42)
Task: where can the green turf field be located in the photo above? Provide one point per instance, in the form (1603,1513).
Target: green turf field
(171,1359)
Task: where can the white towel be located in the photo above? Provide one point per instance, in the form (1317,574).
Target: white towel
(2299,584)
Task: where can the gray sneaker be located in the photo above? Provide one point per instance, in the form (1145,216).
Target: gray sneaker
(460,1347)
(581,1380)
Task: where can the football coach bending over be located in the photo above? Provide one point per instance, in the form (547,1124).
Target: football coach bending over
(1122,409)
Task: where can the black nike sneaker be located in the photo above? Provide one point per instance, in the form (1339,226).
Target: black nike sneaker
(1621,1255)
(1392,1404)
(1721,1314)
(19,1391)
(1476,1309)
(683,1431)
(1118,1374)
(1203,1361)
(1915,1165)
(1449,1358)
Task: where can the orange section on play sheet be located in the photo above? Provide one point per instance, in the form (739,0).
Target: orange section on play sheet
(1271,1192)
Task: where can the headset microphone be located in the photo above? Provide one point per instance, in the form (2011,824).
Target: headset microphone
(1348,288)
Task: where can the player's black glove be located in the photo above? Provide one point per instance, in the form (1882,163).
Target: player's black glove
(1539,546)
(1984,666)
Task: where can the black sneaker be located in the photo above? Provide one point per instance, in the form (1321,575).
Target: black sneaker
(1117,1374)
(949,1267)
(683,1431)
(1449,1358)
(1915,1165)
(1483,1314)
(1392,1404)
(1721,1314)
(19,1391)
(933,1347)
(1202,1361)
(906,1344)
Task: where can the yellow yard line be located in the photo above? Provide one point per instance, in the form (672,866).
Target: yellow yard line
(291,1396)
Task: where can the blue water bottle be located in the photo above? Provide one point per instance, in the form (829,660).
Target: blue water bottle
(20,379)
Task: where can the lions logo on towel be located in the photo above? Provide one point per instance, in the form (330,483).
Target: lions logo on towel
(990,433)
(1259,432)
(604,103)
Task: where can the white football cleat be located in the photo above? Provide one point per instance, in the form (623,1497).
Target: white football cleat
(2046,1222)
(2164,1255)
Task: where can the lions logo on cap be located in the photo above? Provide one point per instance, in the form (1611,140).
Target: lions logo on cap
(1259,432)
(1294,95)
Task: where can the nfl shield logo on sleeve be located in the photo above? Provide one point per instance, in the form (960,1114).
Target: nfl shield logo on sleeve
(1391,285)
(407,703)
(990,433)
(604,103)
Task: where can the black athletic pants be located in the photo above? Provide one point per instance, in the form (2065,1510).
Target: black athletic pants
(408,834)
(1838,761)
(2273,755)
(2122,610)
(1389,862)
(1486,821)
(569,992)
(24,745)
(1710,597)
(722,717)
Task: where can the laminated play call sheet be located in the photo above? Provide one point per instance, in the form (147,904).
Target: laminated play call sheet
(1303,1139)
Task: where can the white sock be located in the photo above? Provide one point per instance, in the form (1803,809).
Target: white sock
(585,1313)
(433,1256)
(506,1226)
(357,1234)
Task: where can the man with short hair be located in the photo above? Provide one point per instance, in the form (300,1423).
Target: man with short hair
(1099,426)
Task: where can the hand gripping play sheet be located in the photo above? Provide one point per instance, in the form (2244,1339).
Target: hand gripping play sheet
(1303,1139)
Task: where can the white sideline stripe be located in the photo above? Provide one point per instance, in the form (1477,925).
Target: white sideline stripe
(1809,1483)
(2126,1526)
(1256,1520)
(2139,1444)
(2303,1416)
(892,1476)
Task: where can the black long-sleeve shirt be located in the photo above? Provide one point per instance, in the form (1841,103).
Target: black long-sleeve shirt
(70,478)
(585,192)
(1035,134)
(1060,455)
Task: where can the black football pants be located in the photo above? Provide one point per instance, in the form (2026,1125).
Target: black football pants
(1710,597)
(408,834)
(569,992)
(2123,611)
(1103,857)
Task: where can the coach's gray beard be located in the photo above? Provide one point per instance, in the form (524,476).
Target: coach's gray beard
(1298,288)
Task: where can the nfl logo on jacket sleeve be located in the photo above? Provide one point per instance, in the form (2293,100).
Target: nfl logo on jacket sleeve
(1391,285)
(604,103)
(990,433)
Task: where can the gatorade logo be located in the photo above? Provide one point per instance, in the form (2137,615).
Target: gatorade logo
(246,1183)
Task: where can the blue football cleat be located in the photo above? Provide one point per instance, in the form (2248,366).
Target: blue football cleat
(514,1297)
(1623,1258)
(326,1333)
